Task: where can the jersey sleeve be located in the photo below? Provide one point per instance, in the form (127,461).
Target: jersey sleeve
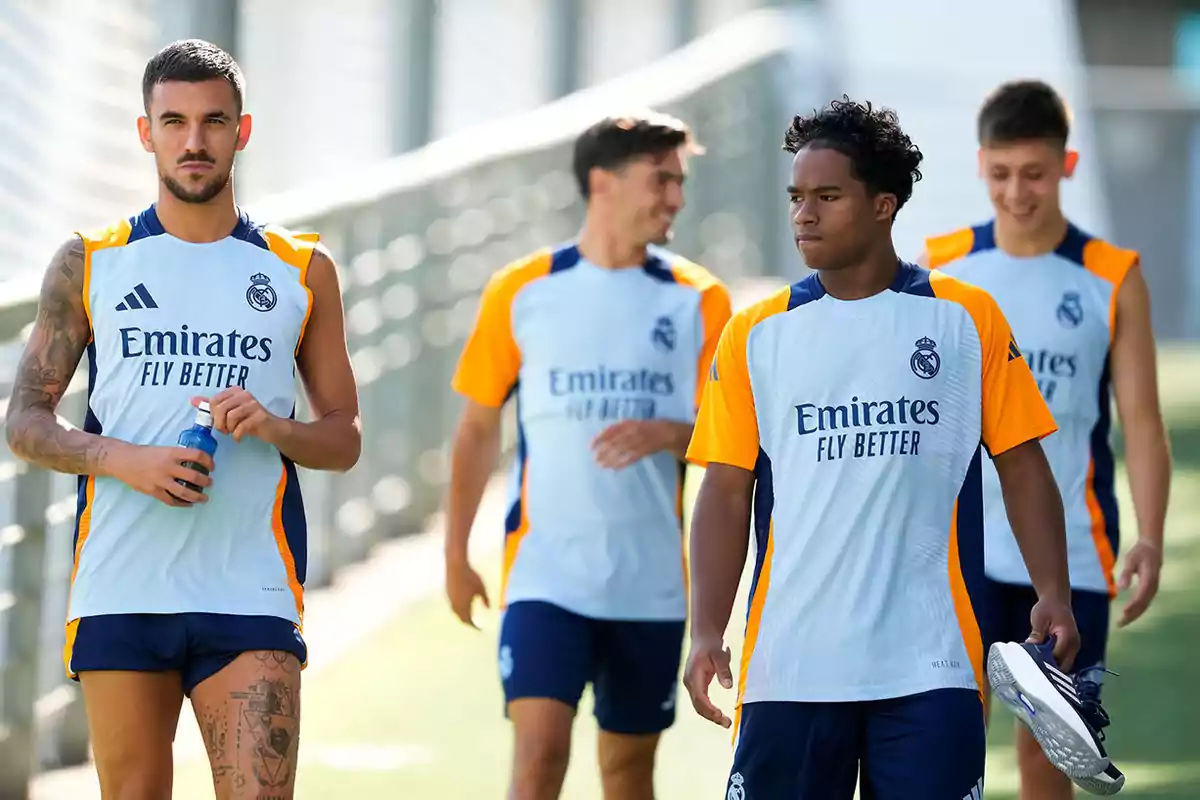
(490,361)
(726,429)
(716,308)
(1014,411)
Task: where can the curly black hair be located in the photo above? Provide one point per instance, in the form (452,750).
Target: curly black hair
(881,154)
(1023,110)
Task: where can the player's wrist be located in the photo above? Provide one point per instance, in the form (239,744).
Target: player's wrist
(456,555)
(1152,543)
(113,458)
(276,430)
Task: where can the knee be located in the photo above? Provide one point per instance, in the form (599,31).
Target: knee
(617,761)
(542,757)
(140,776)
(138,784)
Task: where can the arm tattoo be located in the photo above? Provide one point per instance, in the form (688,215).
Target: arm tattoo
(60,335)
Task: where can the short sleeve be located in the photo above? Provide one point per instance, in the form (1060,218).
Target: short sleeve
(726,429)
(490,361)
(1014,411)
(715,310)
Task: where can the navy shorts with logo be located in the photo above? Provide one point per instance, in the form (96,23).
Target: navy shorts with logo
(927,746)
(633,665)
(1003,615)
(197,645)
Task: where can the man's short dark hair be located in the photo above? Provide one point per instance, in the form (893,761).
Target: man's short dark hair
(192,61)
(881,154)
(614,142)
(1022,111)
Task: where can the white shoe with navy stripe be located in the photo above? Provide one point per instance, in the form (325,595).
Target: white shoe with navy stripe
(1062,712)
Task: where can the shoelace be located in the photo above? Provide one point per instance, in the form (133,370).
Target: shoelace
(1088,691)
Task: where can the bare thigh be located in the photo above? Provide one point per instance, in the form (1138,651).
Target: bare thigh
(541,747)
(249,715)
(132,718)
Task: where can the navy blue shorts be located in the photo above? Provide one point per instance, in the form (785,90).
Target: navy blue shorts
(928,746)
(1003,616)
(633,666)
(197,646)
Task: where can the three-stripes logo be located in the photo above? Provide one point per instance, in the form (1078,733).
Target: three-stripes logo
(138,299)
(1014,352)
(1062,682)
(976,792)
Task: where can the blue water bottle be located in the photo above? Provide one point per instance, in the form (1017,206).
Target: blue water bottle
(199,437)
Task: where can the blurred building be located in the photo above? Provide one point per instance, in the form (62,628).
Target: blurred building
(337,87)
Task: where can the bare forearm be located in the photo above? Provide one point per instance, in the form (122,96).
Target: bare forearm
(720,537)
(678,435)
(1035,513)
(38,436)
(472,462)
(331,443)
(1148,457)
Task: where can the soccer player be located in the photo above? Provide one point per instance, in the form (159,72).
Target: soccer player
(1081,311)
(605,343)
(177,592)
(851,410)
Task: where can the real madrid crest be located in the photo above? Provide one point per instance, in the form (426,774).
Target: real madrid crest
(1070,310)
(925,362)
(260,295)
(737,789)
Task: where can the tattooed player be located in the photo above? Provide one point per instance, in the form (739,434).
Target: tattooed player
(189,574)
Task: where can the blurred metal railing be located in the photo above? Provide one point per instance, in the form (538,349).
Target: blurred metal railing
(416,239)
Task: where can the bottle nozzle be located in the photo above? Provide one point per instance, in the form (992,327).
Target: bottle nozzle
(204,414)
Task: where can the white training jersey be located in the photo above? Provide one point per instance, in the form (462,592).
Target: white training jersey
(1062,306)
(581,348)
(172,320)
(863,422)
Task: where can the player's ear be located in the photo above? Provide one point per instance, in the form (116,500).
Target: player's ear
(979,160)
(885,207)
(245,125)
(1070,163)
(143,126)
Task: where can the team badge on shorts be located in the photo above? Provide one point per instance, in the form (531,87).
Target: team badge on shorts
(925,362)
(260,295)
(736,792)
(1070,310)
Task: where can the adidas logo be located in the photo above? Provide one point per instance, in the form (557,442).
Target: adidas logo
(1062,682)
(976,792)
(138,299)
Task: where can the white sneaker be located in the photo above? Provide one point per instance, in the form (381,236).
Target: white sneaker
(1063,713)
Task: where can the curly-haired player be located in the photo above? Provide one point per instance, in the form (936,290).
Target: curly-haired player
(850,410)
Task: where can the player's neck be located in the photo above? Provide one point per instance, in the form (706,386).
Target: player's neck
(1044,240)
(197,222)
(603,247)
(865,279)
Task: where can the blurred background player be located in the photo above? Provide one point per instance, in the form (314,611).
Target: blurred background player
(605,342)
(861,457)
(177,592)
(1080,310)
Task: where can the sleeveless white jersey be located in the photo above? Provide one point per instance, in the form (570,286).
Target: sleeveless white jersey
(1061,306)
(172,320)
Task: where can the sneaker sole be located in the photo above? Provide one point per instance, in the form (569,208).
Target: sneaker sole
(1100,785)
(1019,683)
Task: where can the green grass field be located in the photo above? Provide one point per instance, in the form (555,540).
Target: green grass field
(417,711)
